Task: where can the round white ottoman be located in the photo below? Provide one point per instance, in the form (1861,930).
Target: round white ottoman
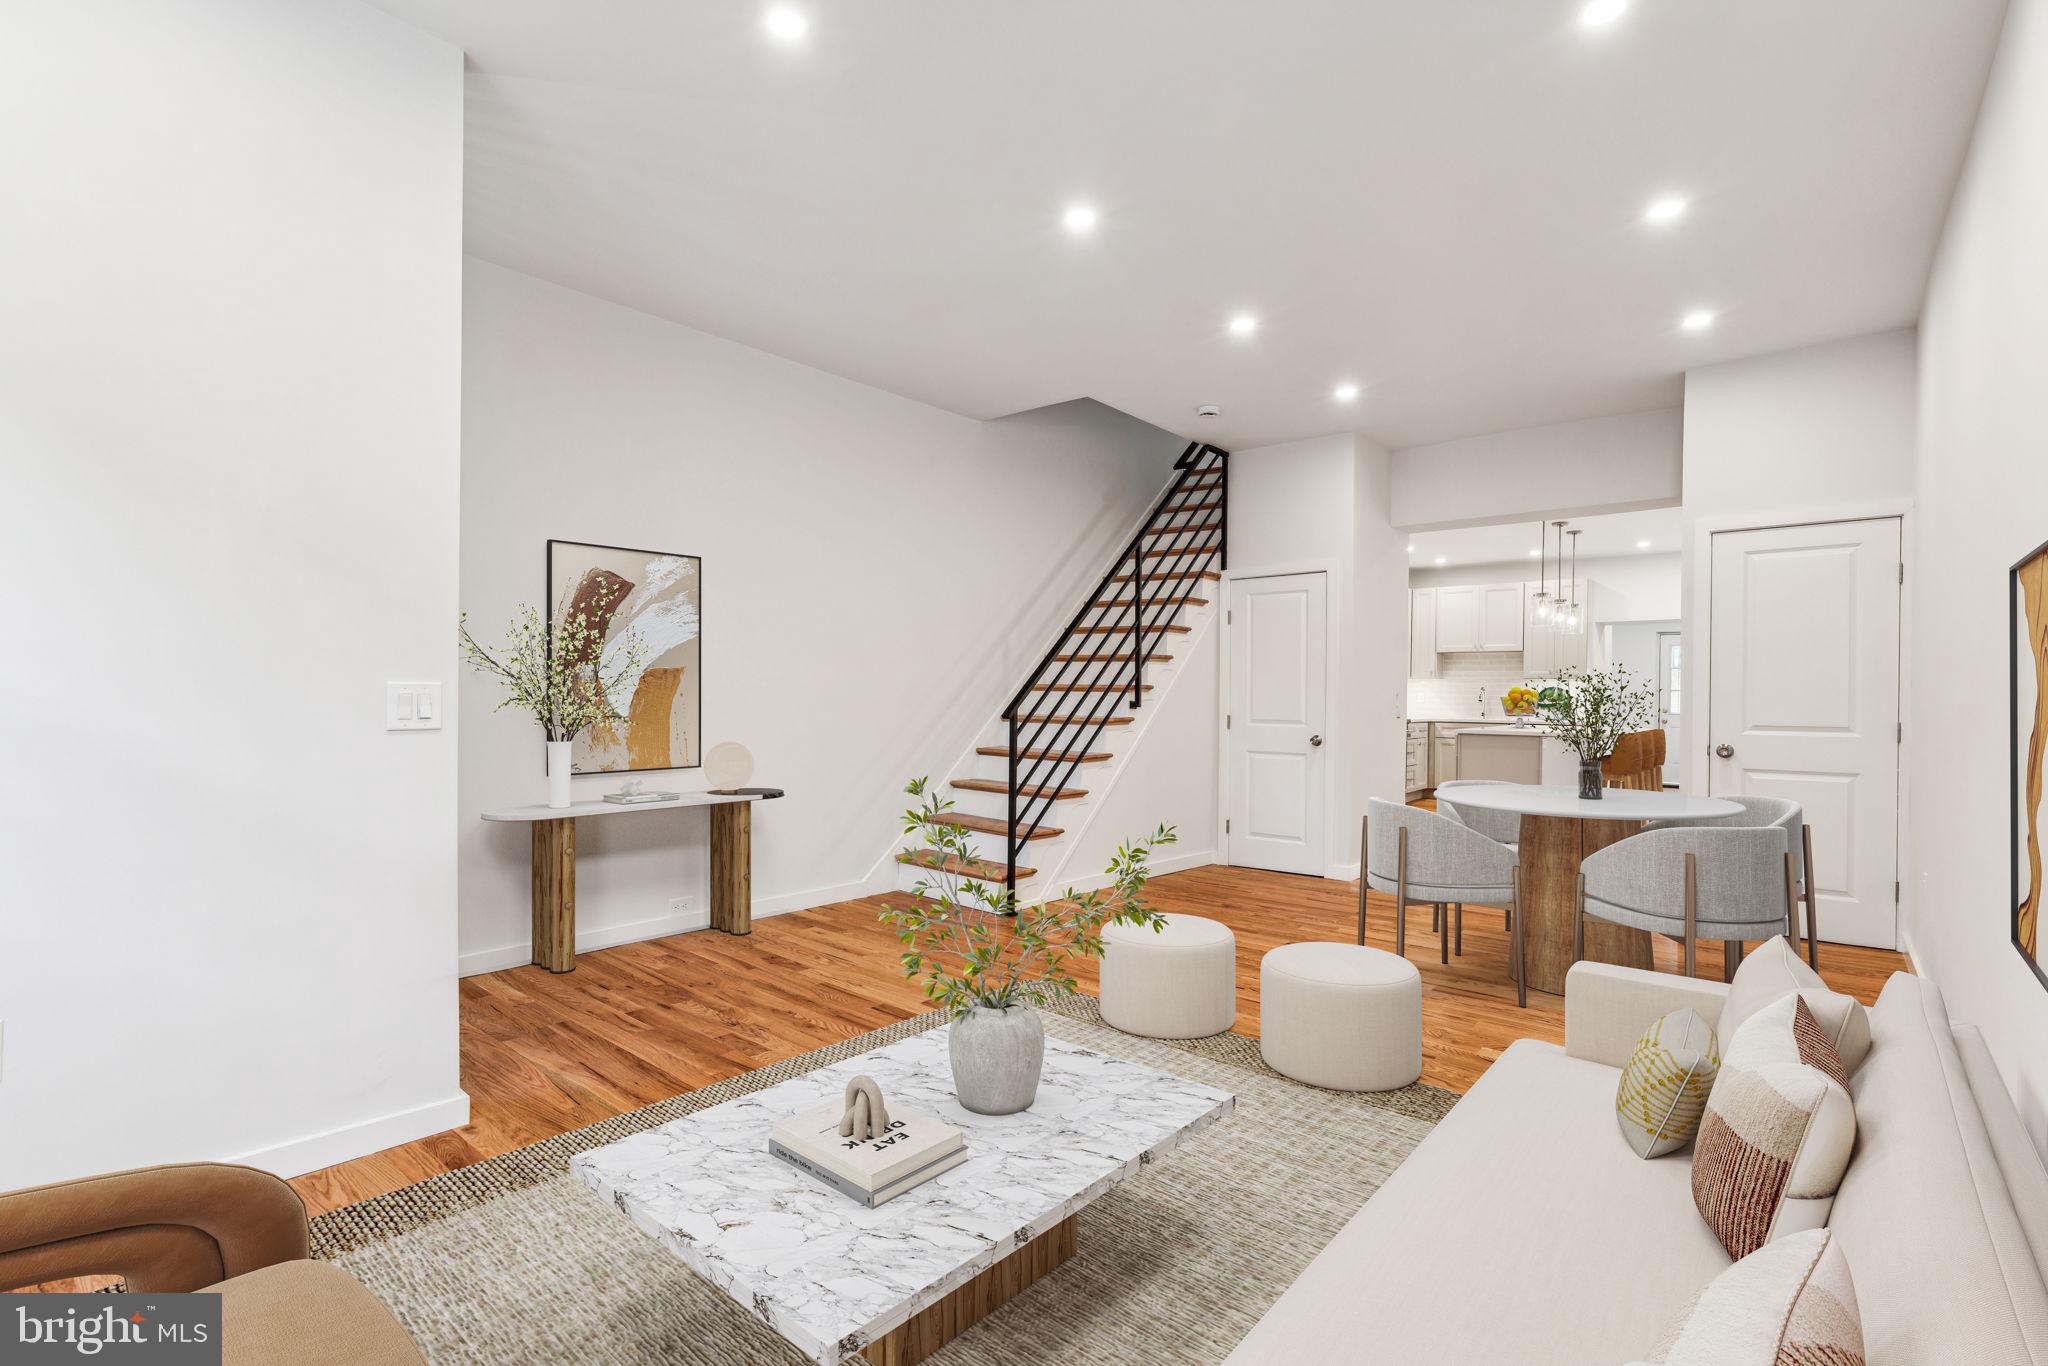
(1341,1016)
(1175,983)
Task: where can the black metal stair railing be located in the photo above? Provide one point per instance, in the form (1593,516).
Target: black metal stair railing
(1098,662)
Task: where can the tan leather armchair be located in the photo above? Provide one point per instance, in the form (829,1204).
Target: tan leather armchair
(232,1230)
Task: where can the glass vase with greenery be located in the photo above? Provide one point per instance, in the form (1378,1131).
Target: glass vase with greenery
(1592,711)
(986,959)
(563,675)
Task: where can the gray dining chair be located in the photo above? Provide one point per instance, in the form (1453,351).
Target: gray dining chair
(1413,853)
(1784,815)
(1503,827)
(1691,883)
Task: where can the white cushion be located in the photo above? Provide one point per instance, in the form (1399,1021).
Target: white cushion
(1778,1132)
(1775,969)
(1520,1233)
(1943,1268)
(1791,1301)
(1341,1016)
(1177,982)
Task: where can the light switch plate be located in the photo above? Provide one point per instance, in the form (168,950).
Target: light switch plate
(412,706)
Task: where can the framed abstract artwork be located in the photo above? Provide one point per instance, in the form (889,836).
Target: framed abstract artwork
(658,598)
(2028,616)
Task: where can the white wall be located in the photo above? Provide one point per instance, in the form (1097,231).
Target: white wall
(1324,503)
(1784,433)
(1823,432)
(879,577)
(1982,504)
(229,368)
(1610,464)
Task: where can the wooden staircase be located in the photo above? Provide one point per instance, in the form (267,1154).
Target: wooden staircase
(1079,707)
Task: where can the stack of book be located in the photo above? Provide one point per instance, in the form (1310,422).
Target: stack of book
(640,798)
(914,1148)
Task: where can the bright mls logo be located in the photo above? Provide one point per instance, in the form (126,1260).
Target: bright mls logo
(165,1330)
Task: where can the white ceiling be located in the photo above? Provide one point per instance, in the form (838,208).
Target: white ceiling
(1618,533)
(1437,199)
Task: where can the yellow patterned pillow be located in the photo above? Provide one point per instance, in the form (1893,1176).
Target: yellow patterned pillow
(1665,1086)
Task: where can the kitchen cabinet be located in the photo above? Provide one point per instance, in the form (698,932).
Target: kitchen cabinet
(1443,767)
(1500,616)
(1478,616)
(1457,619)
(1418,756)
(1422,660)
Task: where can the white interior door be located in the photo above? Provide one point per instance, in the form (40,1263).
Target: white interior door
(1276,726)
(1671,704)
(1804,701)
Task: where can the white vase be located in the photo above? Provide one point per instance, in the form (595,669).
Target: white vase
(997,1056)
(558,771)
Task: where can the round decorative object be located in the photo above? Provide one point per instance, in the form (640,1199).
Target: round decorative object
(727,766)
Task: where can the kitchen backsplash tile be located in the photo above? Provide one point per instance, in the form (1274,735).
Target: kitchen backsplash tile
(1455,695)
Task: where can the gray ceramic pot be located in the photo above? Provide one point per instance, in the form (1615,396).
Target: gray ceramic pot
(996,1059)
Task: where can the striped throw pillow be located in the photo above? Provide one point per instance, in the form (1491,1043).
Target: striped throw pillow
(1791,1303)
(1778,1131)
(1664,1088)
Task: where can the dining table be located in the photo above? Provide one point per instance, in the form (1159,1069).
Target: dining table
(1559,829)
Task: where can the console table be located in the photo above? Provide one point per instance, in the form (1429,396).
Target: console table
(554,863)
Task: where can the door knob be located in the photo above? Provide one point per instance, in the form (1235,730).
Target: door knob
(1316,740)
(1725,751)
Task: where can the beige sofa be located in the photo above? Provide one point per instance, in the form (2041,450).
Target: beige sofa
(1523,1229)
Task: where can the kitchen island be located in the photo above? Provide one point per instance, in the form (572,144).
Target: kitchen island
(1505,752)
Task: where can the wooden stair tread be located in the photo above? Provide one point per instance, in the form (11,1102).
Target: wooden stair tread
(1124,657)
(1178,551)
(1209,574)
(1184,529)
(1180,508)
(988,825)
(1111,630)
(1131,602)
(1057,756)
(1075,720)
(1000,788)
(978,869)
(1086,687)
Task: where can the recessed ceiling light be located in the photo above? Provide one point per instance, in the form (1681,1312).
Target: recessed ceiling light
(1411,547)
(1442,560)
(1699,320)
(1344,393)
(1642,545)
(1243,325)
(1079,219)
(1598,13)
(1669,209)
(787,24)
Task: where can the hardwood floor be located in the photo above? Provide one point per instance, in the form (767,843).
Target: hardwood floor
(545,1053)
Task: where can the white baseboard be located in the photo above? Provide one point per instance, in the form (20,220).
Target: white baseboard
(1344,872)
(1178,863)
(587,941)
(314,1151)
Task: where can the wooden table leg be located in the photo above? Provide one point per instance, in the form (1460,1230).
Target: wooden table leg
(938,1325)
(732,867)
(554,895)
(1551,850)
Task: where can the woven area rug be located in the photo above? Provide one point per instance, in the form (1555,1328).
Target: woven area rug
(513,1261)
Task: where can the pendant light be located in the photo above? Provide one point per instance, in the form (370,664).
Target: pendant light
(1572,618)
(1543,572)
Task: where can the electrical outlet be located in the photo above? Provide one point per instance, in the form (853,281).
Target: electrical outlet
(679,905)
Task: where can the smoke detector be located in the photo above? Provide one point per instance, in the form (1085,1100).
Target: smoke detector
(1208,410)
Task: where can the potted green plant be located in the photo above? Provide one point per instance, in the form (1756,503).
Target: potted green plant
(988,960)
(1590,712)
(564,676)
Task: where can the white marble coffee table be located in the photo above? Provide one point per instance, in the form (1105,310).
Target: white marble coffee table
(836,1278)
